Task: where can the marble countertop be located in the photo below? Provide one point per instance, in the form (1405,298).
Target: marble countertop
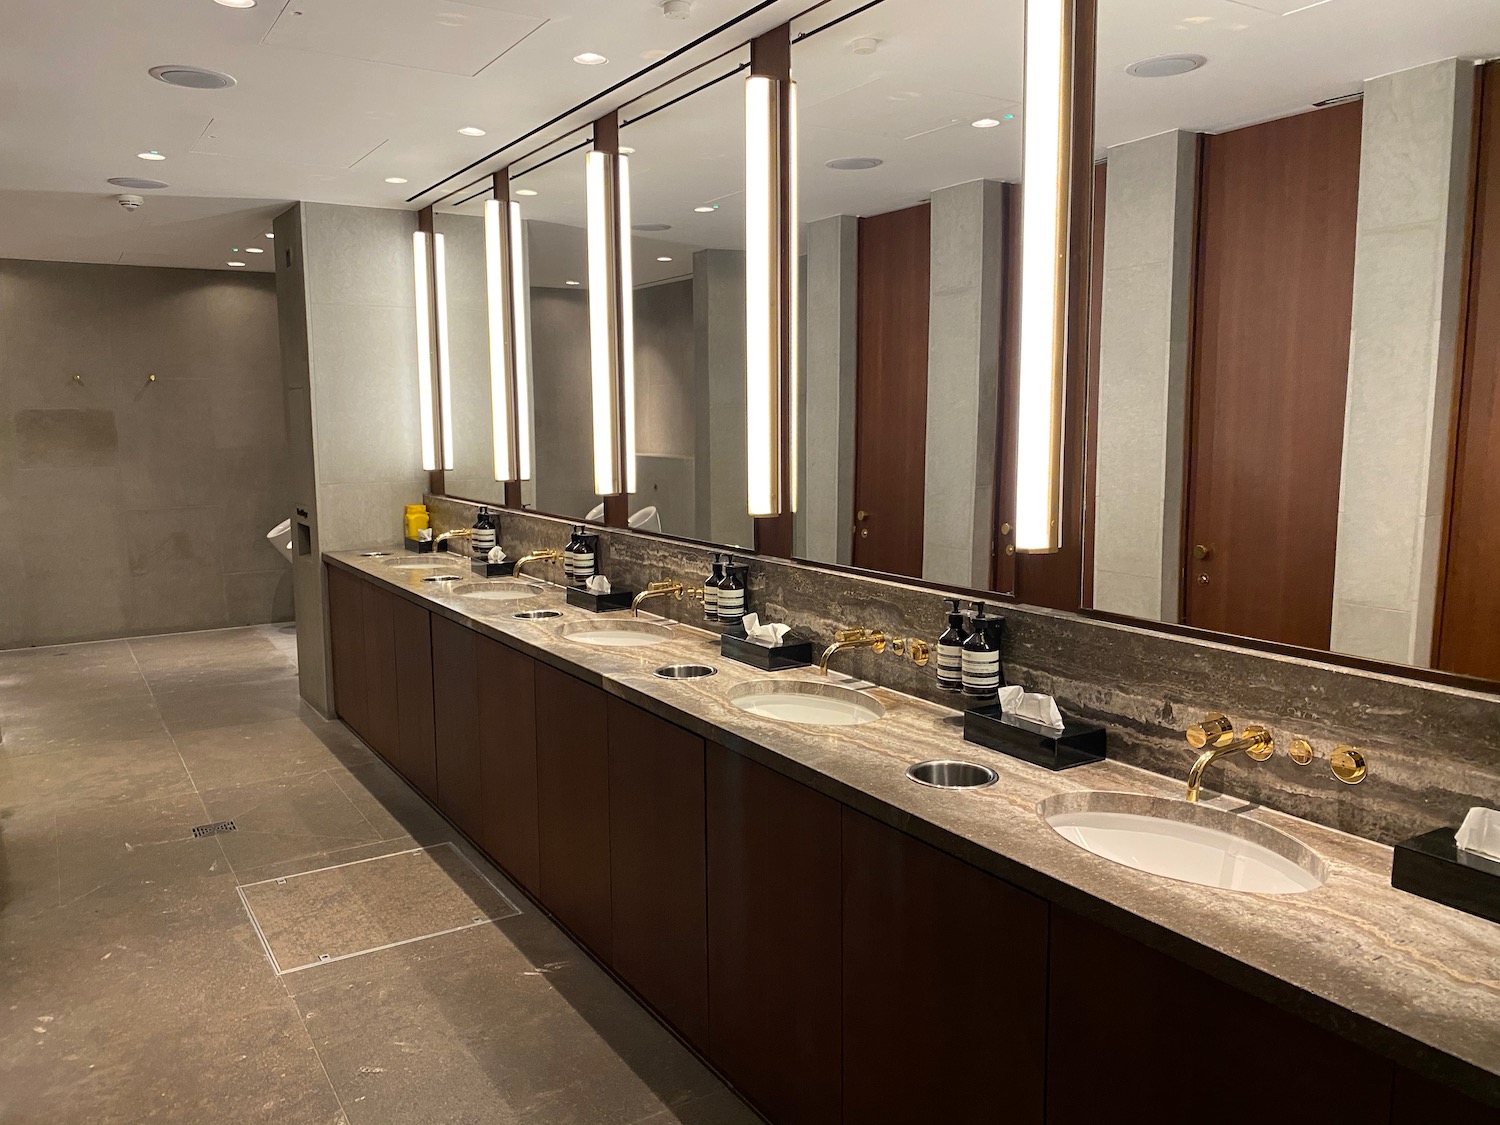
(1413,980)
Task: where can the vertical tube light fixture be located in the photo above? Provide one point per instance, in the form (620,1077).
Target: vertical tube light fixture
(1046,152)
(763,273)
(502,385)
(627,318)
(521,354)
(424,352)
(604,357)
(794,281)
(445,366)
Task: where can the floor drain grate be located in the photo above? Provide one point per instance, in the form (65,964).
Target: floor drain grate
(214,829)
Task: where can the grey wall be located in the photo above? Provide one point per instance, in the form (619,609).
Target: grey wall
(563,408)
(722,469)
(665,405)
(144,505)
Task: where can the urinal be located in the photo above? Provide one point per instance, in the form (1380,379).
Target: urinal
(280,537)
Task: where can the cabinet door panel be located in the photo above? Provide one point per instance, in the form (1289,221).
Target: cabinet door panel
(382,721)
(945,986)
(1135,1034)
(658,886)
(507,751)
(773,939)
(346,638)
(1420,1101)
(455,693)
(572,773)
(417,756)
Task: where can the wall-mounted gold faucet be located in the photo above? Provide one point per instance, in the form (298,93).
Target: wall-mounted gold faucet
(546,554)
(918,650)
(1215,737)
(456,533)
(663,590)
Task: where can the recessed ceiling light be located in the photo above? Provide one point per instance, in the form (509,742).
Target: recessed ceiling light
(570,281)
(395,179)
(235,3)
(191,77)
(985,123)
(472,131)
(234,263)
(524,191)
(136,183)
(626,150)
(270,234)
(590,58)
(651,228)
(152,155)
(854,163)
(707,210)
(663,259)
(1165,66)
(676,9)
(255,250)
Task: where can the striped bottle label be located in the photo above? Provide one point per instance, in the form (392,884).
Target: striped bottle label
(731,606)
(483,540)
(981,673)
(583,566)
(950,667)
(570,556)
(710,603)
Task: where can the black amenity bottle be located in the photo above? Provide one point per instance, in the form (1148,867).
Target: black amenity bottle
(981,660)
(731,596)
(482,538)
(950,650)
(711,586)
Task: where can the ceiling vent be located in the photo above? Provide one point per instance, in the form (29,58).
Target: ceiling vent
(854,163)
(651,228)
(136,184)
(191,77)
(1165,66)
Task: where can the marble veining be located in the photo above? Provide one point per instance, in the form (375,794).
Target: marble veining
(1407,977)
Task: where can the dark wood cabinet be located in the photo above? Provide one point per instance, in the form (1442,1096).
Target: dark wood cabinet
(658,886)
(382,720)
(945,986)
(774,951)
(416,754)
(346,639)
(572,774)
(455,697)
(1135,1034)
(507,760)
(1418,1101)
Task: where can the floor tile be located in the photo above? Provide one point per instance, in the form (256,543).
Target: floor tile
(261,700)
(302,818)
(29,880)
(392,807)
(123,847)
(93,774)
(218,757)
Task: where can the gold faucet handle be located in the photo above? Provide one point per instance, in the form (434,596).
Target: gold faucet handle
(693,594)
(849,636)
(662,587)
(1215,728)
(1262,744)
(919,650)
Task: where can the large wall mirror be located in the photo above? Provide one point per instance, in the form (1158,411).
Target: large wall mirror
(1296,372)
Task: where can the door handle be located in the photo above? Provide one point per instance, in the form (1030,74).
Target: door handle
(1201,552)
(1005,529)
(861,515)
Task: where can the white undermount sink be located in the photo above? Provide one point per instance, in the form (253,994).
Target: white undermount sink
(797,701)
(624,633)
(502,590)
(1193,843)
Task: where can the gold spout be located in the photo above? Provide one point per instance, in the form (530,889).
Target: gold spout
(456,533)
(655,590)
(546,554)
(1256,743)
(851,638)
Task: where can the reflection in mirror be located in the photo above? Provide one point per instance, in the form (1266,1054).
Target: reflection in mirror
(1285,196)
(909,132)
(686,148)
(550,188)
(473,472)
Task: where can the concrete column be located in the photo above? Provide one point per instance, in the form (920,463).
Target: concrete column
(1143,375)
(963,382)
(721,473)
(822,528)
(1403,357)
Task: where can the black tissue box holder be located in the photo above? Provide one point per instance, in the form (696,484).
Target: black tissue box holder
(611,602)
(792,652)
(419,546)
(1431,865)
(483,568)
(1077,744)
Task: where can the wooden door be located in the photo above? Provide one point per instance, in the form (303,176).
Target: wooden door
(1138,1036)
(455,698)
(774,951)
(1468,638)
(382,722)
(658,885)
(890,430)
(1274,294)
(572,774)
(346,641)
(507,760)
(945,986)
(417,756)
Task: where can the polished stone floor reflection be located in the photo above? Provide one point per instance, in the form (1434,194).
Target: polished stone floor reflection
(133,983)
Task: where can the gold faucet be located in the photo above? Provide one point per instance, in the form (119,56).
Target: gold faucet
(662,590)
(456,533)
(546,554)
(851,638)
(1215,737)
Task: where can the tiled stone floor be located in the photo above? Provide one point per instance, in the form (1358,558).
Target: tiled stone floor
(133,986)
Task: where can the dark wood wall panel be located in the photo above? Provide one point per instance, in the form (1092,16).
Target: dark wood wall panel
(890,432)
(346,639)
(417,755)
(456,723)
(1270,362)
(382,720)
(507,760)
(1469,620)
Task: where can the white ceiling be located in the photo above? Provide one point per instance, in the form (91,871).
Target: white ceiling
(332,100)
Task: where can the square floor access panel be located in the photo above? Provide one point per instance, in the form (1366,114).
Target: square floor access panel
(337,912)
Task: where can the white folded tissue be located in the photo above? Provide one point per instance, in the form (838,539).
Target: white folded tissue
(1034,708)
(424,535)
(1480,833)
(496,555)
(598,584)
(764,634)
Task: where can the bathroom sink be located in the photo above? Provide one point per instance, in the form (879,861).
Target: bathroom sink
(501,591)
(797,701)
(1194,843)
(432,562)
(616,634)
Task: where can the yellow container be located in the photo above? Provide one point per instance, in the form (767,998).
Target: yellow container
(416,520)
